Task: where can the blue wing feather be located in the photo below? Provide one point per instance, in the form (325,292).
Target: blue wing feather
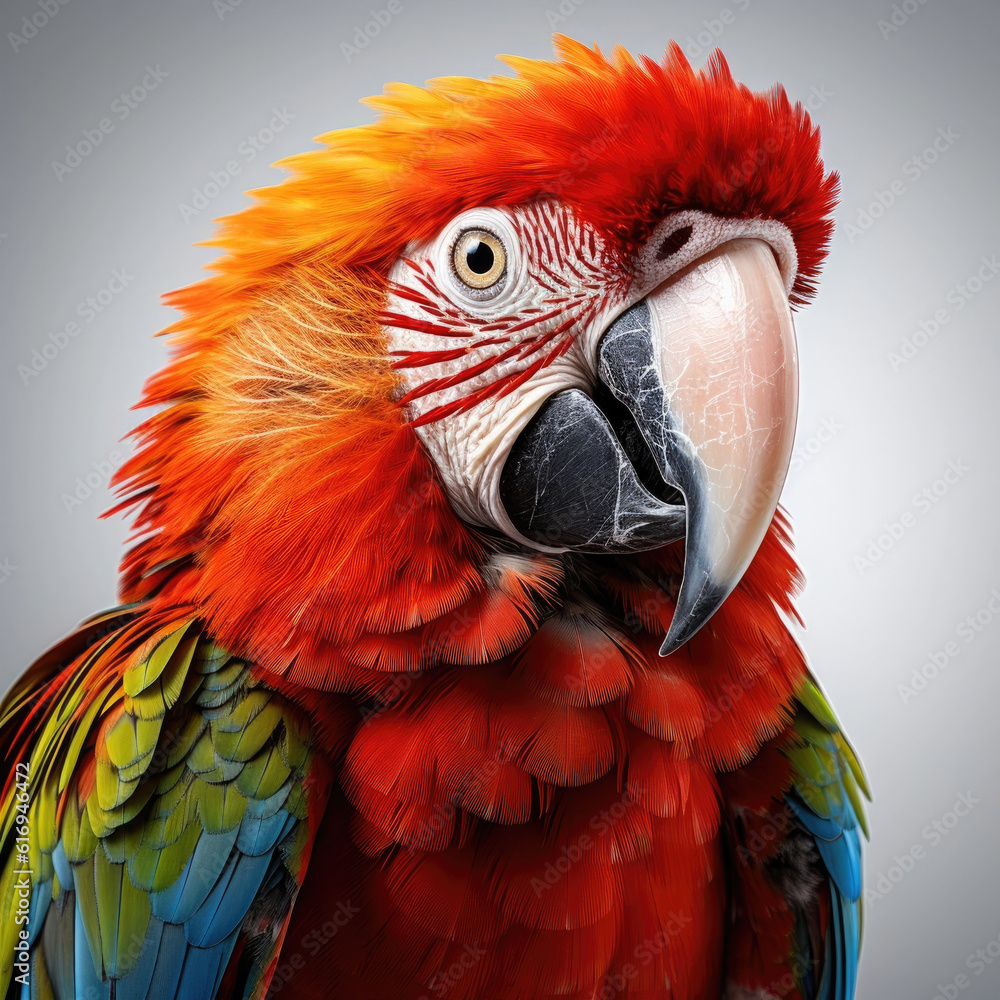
(136,985)
(228,903)
(824,801)
(239,796)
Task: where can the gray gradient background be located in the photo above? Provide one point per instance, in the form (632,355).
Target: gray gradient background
(893,433)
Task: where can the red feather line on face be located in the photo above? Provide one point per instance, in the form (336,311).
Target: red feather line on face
(561,260)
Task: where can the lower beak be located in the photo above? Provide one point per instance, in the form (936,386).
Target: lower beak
(700,385)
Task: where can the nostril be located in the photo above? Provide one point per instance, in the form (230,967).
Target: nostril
(674,242)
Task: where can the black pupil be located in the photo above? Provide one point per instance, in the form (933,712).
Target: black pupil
(479,257)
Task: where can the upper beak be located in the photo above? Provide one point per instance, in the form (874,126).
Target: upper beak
(705,366)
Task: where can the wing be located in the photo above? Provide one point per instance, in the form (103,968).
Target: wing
(796,819)
(826,800)
(158,819)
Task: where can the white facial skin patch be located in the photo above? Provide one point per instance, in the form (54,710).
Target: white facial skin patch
(478,362)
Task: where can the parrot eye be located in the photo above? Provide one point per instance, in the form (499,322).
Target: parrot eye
(479,259)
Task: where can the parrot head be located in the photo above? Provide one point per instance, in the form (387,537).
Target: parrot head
(512,322)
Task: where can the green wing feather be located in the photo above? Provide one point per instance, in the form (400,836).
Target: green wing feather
(827,800)
(169,797)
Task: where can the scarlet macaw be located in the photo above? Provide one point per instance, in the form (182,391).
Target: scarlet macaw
(388,712)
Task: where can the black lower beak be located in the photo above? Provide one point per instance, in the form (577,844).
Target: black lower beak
(569,483)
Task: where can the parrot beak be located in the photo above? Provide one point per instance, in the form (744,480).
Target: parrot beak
(687,433)
(706,367)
